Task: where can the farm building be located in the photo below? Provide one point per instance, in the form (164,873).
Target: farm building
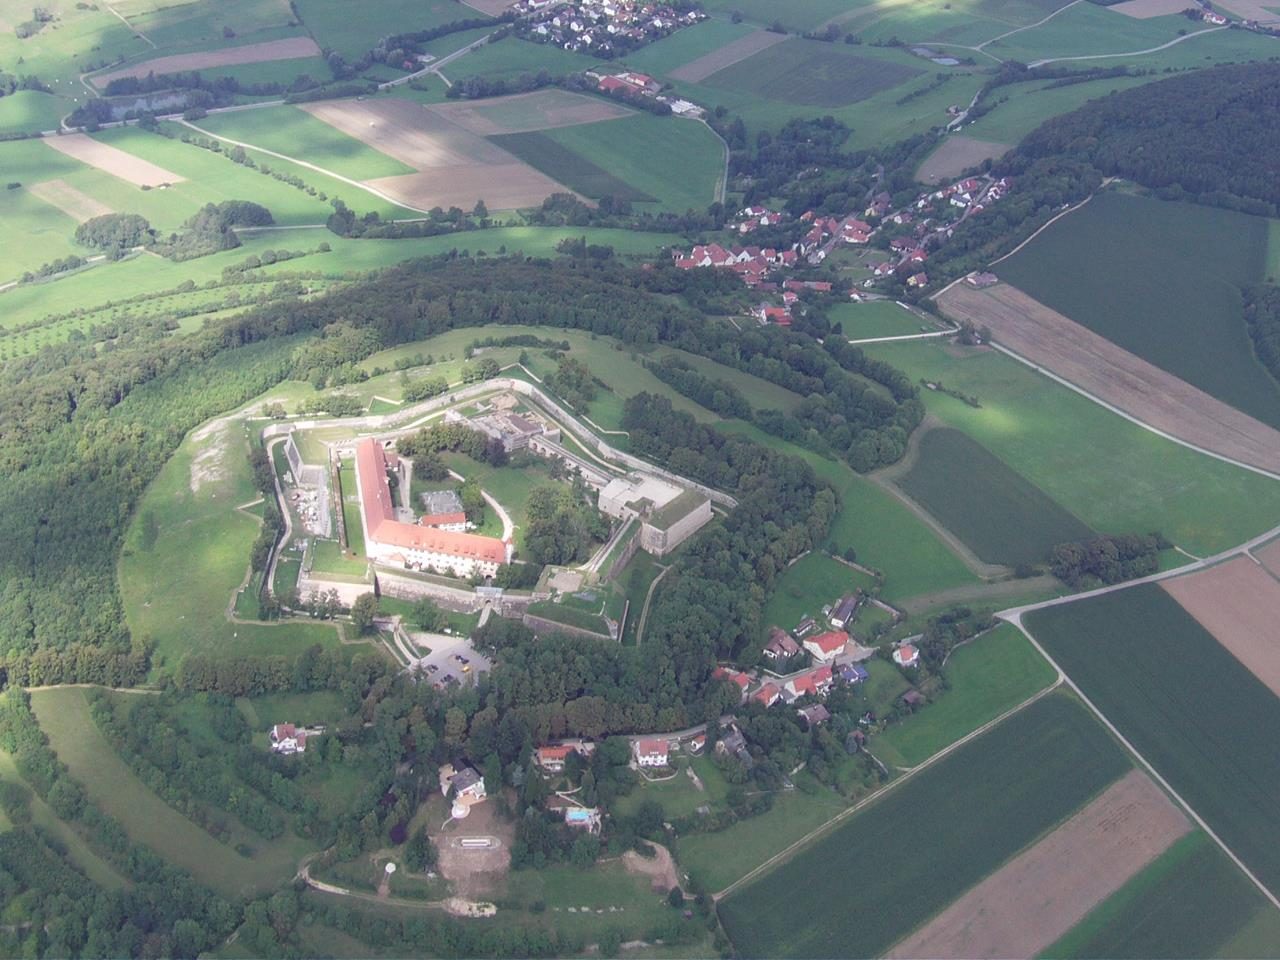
(389,540)
(651,753)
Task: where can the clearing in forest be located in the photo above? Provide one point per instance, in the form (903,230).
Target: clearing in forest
(1239,603)
(109,159)
(1046,890)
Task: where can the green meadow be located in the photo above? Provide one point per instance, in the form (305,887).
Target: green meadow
(876,318)
(1126,480)
(686,45)
(808,585)
(335,25)
(26,111)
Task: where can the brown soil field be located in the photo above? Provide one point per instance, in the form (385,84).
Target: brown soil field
(695,71)
(958,154)
(661,870)
(79,206)
(528,112)
(475,872)
(292,48)
(1145,9)
(1046,890)
(408,131)
(1270,556)
(1096,365)
(502,186)
(1239,603)
(109,159)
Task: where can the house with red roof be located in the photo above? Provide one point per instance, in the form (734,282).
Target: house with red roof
(815,683)
(827,646)
(552,758)
(906,655)
(767,695)
(651,752)
(918,280)
(287,739)
(736,677)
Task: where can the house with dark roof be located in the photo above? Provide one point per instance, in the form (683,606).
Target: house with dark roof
(814,715)
(844,610)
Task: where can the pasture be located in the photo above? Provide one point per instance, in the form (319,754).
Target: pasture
(26,111)
(1089,29)
(1163,282)
(808,585)
(994,510)
(1130,481)
(928,840)
(985,677)
(1189,902)
(877,318)
(295,132)
(812,74)
(1022,107)
(45,232)
(806,16)
(1194,711)
(65,719)
(511,57)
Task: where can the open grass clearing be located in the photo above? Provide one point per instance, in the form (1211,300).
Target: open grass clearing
(986,677)
(64,717)
(511,57)
(1189,902)
(877,318)
(1022,107)
(930,839)
(1193,710)
(1163,282)
(809,584)
(1130,481)
(996,512)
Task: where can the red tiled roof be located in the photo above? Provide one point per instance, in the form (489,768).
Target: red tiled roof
(828,642)
(651,748)
(382,526)
(546,754)
(441,519)
(766,694)
(733,676)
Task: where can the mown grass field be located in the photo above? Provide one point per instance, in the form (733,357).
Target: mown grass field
(988,676)
(808,585)
(1161,280)
(176,588)
(929,840)
(812,74)
(884,533)
(341,25)
(878,318)
(26,111)
(996,512)
(643,150)
(510,57)
(575,171)
(64,717)
(1195,712)
(1128,480)
(1191,901)
(292,131)
(82,39)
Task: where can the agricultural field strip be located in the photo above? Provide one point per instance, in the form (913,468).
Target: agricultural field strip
(1042,338)
(892,785)
(292,48)
(1074,868)
(374,191)
(1014,615)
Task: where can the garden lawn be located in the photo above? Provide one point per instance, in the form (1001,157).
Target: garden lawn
(64,717)
(1195,712)
(1161,280)
(808,585)
(1126,480)
(986,677)
(929,840)
(291,130)
(1191,901)
(996,512)
(717,859)
(678,795)
(883,532)
(187,552)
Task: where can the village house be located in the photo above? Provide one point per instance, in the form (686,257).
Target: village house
(465,782)
(806,625)
(917,280)
(814,715)
(552,758)
(767,695)
(981,280)
(736,677)
(287,739)
(697,743)
(733,744)
(781,646)
(815,683)
(827,646)
(653,752)
(844,610)
(906,655)
(853,673)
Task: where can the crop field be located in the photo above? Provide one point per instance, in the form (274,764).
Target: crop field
(806,16)
(529,112)
(639,151)
(293,48)
(673,53)
(1131,481)
(886,535)
(294,132)
(1043,892)
(812,74)
(992,674)
(995,511)
(808,585)
(1189,902)
(64,717)
(178,576)
(1194,711)
(930,839)
(726,55)
(1163,283)
(575,171)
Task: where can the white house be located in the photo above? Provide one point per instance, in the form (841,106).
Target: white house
(650,753)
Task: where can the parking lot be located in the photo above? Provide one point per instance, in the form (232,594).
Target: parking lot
(452,660)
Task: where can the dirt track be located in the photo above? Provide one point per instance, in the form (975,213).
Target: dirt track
(695,71)
(540,110)
(955,156)
(109,159)
(292,48)
(79,206)
(1099,367)
(1239,603)
(1043,892)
